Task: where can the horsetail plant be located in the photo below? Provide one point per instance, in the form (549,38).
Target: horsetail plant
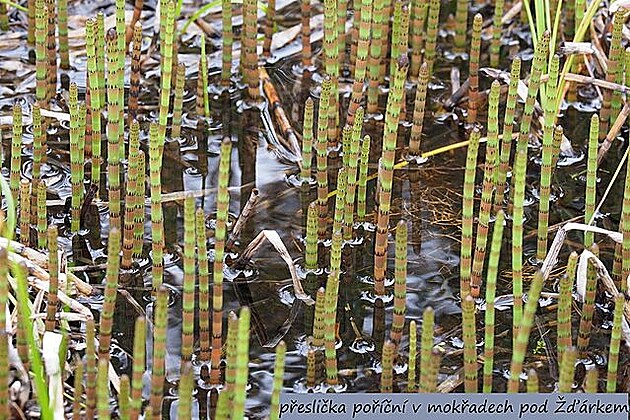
(353,163)
(547,159)
(588,306)
(524,329)
(157,218)
(223,198)
(42,219)
(123,397)
(322,156)
(306,34)
(99,37)
(493,266)
(495,43)
(278,377)
(520,167)
(186,387)
(461,25)
(269,26)
(241,363)
(51,50)
(204,285)
(78,390)
(419,10)
(564,306)
(91,368)
(591,178)
(159,352)
(363,175)
(134,79)
(392,115)
(307,141)
(613,74)
(475,52)
(470,344)
(590,382)
(400,35)
(310,255)
(115,90)
(95,105)
(320,314)
(178,101)
(331,65)
(138,368)
(360,64)
(387,375)
(400,284)
(415,139)
(188,302)
(227,37)
(167,71)
(615,340)
(249,55)
(532,382)
(204,78)
(53,285)
(432,30)
(64,51)
(225,403)
(16,151)
(426,347)
(567,370)
(467,213)
(377,51)
(41,62)
(25,212)
(111,285)
(330,310)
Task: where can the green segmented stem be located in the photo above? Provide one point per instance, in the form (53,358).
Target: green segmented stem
(491,286)
(342,19)
(520,347)
(342,181)
(130,199)
(199,102)
(331,66)
(77,157)
(387,376)
(306,34)
(470,344)
(115,86)
(508,127)
(64,51)
(461,25)
(228,38)
(157,218)
(25,212)
(558,134)
(223,199)
(311,361)
(473,73)
(359,59)
(346,135)
(377,52)
(613,74)
(4,18)
(39,142)
(310,256)
(186,387)
(565,299)
(590,383)
(532,382)
(53,284)
(419,10)
(467,213)
(188,302)
(249,57)
(78,391)
(413,345)
(547,159)
(432,30)
(123,398)
(91,369)
(615,341)
(139,366)
(362,184)
(21,340)
(567,370)
(520,165)
(486,202)
(111,286)
(588,306)
(102,387)
(167,71)
(400,284)
(492,147)
(204,285)
(99,36)
(426,347)
(16,151)
(353,163)
(386,176)
(134,78)
(330,311)
(42,219)
(138,214)
(51,49)
(31,21)
(320,314)
(178,101)
(591,178)
(41,88)
(269,24)
(420,101)
(400,35)
(278,379)
(224,404)
(307,141)
(159,352)
(241,363)
(95,104)
(322,156)
(495,43)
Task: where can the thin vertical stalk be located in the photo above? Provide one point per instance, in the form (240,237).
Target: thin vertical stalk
(278,379)
(473,77)
(41,59)
(415,140)
(188,301)
(360,57)
(532,382)
(53,284)
(413,343)
(4,350)
(387,375)
(517,236)
(167,70)
(495,43)
(99,36)
(419,10)
(493,268)
(306,34)
(376,55)
(426,347)
(16,151)
(204,77)
(467,213)
(186,387)
(470,344)
(461,25)
(591,178)
(318,324)
(615,341)
(134,79)
(588,307)
(567,370)
(363,174)
(310,256)
(64,51)
(524,329)
(613,74)
(269,26)
(25,212)
(432,30)
(565,300)
(176,127)
(228,37)
(307,141)
(95,104)
(322,156)
(249,55)
(90,369)
(114,128)
(159,352)
(157,218)
(241,364)
(139,366)
(204,285)
(51,49)
(353,163)
(109,302)
(400,284)
(331,66)
(102,387)
(42,217)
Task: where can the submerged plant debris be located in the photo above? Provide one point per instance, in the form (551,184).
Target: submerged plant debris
(205,204)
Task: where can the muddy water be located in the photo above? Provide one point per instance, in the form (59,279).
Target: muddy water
(426,196)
